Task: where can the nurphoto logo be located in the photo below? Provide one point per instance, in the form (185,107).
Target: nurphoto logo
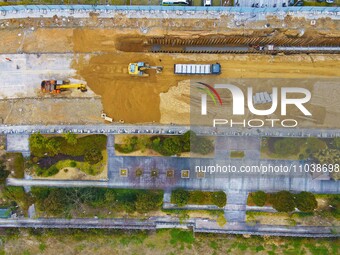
(295,96)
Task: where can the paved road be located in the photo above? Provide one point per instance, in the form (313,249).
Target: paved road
(236,184)
(166,130)
(199,225)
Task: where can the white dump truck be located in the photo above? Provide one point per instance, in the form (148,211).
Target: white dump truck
(197,69)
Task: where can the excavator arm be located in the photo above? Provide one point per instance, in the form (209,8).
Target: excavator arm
(82,87)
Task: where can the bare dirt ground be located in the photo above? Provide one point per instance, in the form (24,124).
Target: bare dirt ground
(156,98)
(51,111)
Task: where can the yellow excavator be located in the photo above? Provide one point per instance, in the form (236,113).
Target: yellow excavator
(139,68)
(57,86)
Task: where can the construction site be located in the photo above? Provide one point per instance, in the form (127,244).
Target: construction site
(122,62)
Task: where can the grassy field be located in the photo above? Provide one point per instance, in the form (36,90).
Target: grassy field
(162,242)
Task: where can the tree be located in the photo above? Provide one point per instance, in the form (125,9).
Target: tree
(180,197)
(71,138)
(52,147)
(55,203)
(148,201)
(3,172)
(286,146)
(337,142)
(93,156)
(143,143)
(197,197)
(219,199)
(315,144)
(283,201)
(188,138)
(306,202)
(37,144)
(259,198)
(18,195)
(172,146)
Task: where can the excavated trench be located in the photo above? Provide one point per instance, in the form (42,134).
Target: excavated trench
(228,44)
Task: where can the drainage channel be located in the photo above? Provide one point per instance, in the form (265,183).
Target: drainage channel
(268,49)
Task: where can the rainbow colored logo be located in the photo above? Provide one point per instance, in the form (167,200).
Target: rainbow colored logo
(209,90)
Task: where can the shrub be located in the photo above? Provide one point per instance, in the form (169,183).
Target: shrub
(139,172)
(259,198)
(219,198)
(180,197)
(53,170)
(93,156)
(148,201)
(306,202)
(283,201)
(197,197)
(71,138)
(73,164)
(221,220)
(172,146)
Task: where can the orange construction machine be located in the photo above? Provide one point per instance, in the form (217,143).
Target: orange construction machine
(57,86)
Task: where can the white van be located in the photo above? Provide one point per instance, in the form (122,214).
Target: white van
(207,2)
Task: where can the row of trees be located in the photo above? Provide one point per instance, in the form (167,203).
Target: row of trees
(168,145)
(40,144)
(284,201)
(182,197)
(60,201)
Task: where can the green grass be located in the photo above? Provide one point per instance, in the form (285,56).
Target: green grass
(180,236)
(167,242)
(237,154)
(18,164)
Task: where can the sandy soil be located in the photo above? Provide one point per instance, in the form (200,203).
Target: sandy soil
(137,100)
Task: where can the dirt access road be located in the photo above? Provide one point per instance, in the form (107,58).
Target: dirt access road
(135,100)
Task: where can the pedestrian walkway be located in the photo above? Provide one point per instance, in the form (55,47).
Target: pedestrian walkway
(110,146)
(235,210)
